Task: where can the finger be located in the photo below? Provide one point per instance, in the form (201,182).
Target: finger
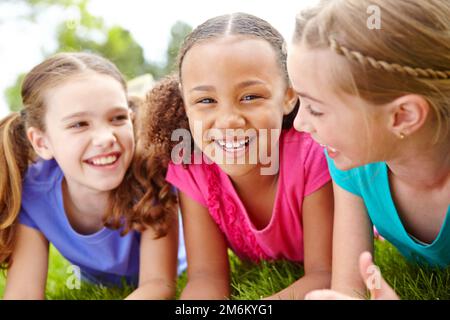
(378,287)
(369,273)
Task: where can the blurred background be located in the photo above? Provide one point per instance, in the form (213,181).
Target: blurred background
(141,37)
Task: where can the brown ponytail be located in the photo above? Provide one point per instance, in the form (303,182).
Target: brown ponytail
(15,155)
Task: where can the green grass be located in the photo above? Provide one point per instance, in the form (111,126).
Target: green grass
(251,281)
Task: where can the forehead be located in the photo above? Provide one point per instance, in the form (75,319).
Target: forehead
(231,55)
(83,92)
(308,68)
(319,72)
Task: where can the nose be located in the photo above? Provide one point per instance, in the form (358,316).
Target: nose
(104,137)
(301,121)
(230,117)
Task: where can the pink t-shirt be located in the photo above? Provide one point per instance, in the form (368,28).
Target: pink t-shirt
(303,169)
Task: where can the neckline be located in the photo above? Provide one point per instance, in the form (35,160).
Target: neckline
(405,233)
(243,209)
(93,237)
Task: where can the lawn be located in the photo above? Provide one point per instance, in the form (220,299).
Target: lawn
(255,281)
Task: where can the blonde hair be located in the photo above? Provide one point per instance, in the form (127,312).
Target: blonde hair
(409,54)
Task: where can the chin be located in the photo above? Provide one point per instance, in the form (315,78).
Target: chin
(347,164)
(107,185)
(236,170)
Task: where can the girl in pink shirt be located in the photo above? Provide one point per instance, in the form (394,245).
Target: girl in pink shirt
(253,184)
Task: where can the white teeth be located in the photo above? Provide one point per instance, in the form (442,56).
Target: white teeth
(104,160)
(231,145)
(332,149)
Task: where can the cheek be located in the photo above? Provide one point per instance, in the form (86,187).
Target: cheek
(271,117)
(197,128)
(125,131)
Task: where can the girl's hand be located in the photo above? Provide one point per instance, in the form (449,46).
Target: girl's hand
(379,289)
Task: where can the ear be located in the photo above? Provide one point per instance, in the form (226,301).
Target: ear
(290,99)
(408,115)
(40,143)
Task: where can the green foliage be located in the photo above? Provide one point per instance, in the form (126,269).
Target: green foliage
(251,281)
(12,94)
(178,32)
(255,281)
(89,33)
(411,281)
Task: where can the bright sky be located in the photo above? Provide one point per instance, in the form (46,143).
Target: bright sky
(23,44)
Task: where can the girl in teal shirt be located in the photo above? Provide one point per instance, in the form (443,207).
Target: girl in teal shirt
(375,94)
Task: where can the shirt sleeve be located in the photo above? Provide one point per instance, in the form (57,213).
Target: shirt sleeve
(184,180)
(25,219)
(316,169)
(345,179)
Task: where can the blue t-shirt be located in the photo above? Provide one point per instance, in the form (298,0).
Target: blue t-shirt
(104,257)
(371,183)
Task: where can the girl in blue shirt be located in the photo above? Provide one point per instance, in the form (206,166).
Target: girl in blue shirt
(70,176)
(376,95)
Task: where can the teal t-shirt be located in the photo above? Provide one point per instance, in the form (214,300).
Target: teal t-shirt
(371,183)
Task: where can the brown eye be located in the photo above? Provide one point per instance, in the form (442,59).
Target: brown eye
(120,118)
(206,101)
(250,97)
(78,125)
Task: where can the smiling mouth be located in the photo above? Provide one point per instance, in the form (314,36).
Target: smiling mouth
(233,146)
(104,160)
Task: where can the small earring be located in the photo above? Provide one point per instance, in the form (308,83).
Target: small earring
(402,135)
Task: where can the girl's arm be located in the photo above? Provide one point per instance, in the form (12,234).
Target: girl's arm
(207,256)
(317,235)
(352,236)
(27,276)
(158,265)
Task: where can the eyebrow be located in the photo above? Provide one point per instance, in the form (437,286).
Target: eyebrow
(249,83)
(75,115)
(203,88)
(302,94)
(240,85)
(85,113)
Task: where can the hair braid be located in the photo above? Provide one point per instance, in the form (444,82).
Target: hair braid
(390,67)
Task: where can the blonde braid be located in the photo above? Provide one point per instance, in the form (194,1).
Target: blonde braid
(390,67)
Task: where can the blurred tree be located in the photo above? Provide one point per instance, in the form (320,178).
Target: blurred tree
(177,33)
(12,94)
(89,33)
